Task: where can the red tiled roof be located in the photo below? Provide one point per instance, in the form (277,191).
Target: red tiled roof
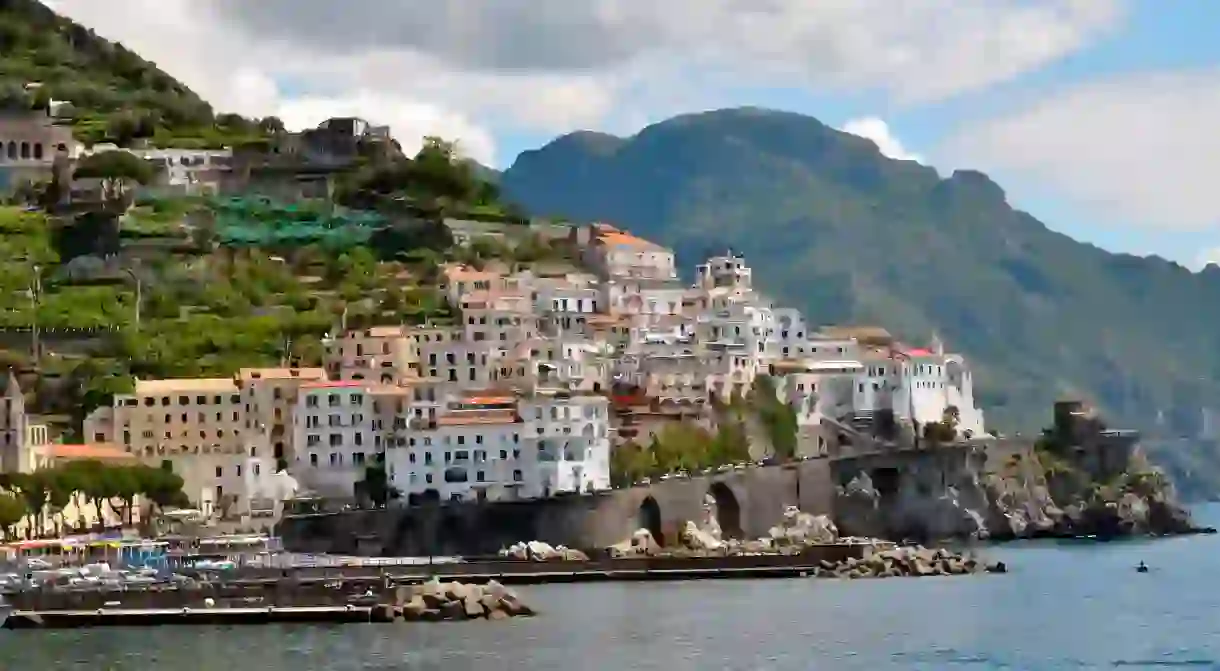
(99,451)
(336,384)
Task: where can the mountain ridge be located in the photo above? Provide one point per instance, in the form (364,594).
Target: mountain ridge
(848,235)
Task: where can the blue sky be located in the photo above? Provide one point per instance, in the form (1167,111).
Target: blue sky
(1097,116)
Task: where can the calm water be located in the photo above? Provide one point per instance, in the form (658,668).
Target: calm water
(1064,606)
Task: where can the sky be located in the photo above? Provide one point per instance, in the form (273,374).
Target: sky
(1097,116)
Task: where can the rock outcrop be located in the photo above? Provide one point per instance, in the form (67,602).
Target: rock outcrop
(640,544)
(539,551)
(436,601)
(1071,484)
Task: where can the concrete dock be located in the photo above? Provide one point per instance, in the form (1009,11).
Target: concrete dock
(347,594)
(153,617)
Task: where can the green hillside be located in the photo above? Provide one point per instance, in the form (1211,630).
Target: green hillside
(835,228)
(115,95)
(227,283)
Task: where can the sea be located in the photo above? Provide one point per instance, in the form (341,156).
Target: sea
(1063,605)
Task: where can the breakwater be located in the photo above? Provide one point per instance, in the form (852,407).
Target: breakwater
(344,585)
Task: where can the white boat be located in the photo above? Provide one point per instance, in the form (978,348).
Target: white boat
(5,610)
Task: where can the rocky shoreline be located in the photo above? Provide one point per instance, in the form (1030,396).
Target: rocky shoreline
(909,561)
(796,533)
(1079,480)
(436,601)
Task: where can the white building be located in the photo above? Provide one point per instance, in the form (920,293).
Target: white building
(570,436)
(334,434)
(615,254)
(193,171)
(473,450)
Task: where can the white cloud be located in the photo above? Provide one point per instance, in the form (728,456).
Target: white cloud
(1142,148)
(240,75)
(1211,255)
(411,121)
(878,131)
(552,66)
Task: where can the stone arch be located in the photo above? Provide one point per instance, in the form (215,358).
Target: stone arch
(728,510)
(649,517)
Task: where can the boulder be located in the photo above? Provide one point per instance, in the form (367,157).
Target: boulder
(496,590)
(383,613)
(513,606)
(414,609)
(453,610)
(640,544)
(474,608)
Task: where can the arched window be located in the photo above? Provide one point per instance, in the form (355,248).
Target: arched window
(25,150)
(12,151)
(38,151)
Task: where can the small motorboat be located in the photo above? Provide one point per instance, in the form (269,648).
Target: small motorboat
(1142,568)
(6,609)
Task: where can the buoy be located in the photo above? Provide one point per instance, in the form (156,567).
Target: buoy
(209,602)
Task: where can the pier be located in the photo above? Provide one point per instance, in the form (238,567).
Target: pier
(156,617)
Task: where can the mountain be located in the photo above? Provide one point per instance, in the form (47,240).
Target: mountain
(850,236)
(115,95)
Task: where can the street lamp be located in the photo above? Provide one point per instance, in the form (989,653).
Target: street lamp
(35,298)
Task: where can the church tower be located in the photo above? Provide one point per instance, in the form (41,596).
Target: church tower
(12,426)
(938,345)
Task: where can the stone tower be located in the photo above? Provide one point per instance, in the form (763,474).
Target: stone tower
(13,457)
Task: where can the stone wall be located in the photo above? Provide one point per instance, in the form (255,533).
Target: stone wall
(749,503)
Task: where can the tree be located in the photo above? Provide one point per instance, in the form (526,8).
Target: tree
(951,417)
(162,487)
(12,511)
(776,416)
(271,125)
(116,170)
(376,485)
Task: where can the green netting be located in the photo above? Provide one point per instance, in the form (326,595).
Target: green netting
(260,221)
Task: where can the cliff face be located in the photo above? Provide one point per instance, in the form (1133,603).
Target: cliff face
(1008,492)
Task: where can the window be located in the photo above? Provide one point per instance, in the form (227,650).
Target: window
(219,472)
(313,460)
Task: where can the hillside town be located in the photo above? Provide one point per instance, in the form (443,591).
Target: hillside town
(545,376)
(542,374)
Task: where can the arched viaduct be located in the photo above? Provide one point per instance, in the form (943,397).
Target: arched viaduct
(748,502)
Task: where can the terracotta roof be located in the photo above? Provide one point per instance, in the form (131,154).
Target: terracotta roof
(186,385)
(336,384)
(389,390)
(488,400)
(247,374)
(470,419)
(99,451)
(387,331)
(620,239)
(464,274)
